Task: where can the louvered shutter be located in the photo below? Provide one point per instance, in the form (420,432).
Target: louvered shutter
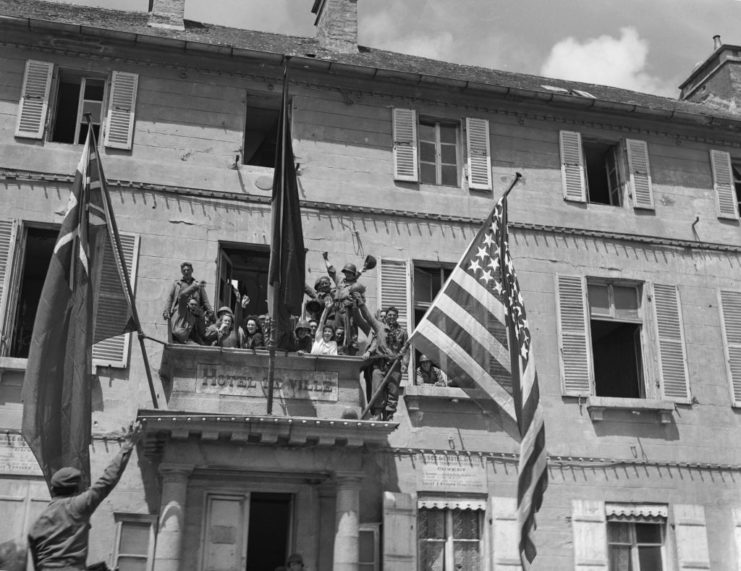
(725,191)
(572,167)
(640,173)
(114,351)
(730,307)
(576,368)
(393,288)
(399,532)
(505,534)
(692,538)
(34,103)
(121,106)
(589,527)
(405,145)
(671,343)
(8,234)
(479,154)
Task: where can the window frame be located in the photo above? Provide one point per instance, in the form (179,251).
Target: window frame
(438,124)
(614,148)
(375,530)
(81,76)
(255,100)
(634,544)
(448,549)
(122,518)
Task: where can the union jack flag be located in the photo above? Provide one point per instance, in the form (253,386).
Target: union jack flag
(476,330)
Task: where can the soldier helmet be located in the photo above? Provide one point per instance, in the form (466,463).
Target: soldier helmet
(423,358)
(223,310)
(350,269)
(303,324)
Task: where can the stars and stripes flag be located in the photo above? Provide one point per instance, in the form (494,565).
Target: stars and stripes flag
(476,331)
(58,381)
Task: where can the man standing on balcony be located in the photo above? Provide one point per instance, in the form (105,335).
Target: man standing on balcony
(187,308)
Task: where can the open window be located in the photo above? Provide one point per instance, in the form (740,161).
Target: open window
(261,130)
(603,177)
(428,279)
(77,93)
(615,325)
(243,270)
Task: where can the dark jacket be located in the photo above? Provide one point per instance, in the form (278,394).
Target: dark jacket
(59,537)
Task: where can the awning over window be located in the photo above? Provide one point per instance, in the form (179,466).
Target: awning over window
(452,504)
(635,512)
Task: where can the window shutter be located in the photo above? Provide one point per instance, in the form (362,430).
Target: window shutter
(691,536)
(8,233)
(725,191)
(34,103)
(505,535)
(399,532)
(730,307)
(114,351)
(572,167)
(576,368)
(121,106)
(393,288)
(640,173)
(590,535)
(479,154)
(405,145)
(672,360)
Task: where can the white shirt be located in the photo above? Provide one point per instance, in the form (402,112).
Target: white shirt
(322,347)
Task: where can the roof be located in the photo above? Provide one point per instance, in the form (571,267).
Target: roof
(84,19)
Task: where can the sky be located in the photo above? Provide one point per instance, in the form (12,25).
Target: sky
(643,45)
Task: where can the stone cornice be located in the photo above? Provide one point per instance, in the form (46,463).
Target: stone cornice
(372,212)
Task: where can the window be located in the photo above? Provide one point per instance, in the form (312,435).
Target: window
(430,150)
(603,178)
(25,253)
(54,101)
(605,328)
(635,546)
(449,539)
(76,95)
(438,153)
(261,131)
(134,542)
(615,325)
(243,269)
(595,170)
(369,547)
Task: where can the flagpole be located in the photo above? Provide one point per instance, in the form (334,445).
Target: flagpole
(122,270)
(274,302)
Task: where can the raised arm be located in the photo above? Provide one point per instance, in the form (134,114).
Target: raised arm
(323,319)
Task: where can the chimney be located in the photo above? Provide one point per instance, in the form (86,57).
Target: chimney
(716,82)
(167,14)
(337,25)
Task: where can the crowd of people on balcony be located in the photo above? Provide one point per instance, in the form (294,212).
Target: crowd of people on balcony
(334,313)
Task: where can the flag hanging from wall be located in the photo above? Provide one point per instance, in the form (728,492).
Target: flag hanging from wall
(476,331)
(286,273)
(57,384)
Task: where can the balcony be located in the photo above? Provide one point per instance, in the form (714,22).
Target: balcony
(220,394)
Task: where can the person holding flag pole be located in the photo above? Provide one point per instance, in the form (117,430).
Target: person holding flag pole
(58,381)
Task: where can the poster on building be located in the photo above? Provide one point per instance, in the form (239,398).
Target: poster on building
(452,473)
(16,457)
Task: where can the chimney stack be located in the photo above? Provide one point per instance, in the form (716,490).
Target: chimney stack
(716,42)
(337,25)
(168,14)
(716,82)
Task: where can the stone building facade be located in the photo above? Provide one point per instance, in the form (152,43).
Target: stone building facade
(625,234)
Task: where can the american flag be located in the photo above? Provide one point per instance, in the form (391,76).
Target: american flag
(468,331)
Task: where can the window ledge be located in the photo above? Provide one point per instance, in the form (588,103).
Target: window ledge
(453,394)
(597,406)
(12,364)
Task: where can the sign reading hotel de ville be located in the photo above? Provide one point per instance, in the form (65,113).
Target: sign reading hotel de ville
(452,473)
(253,382)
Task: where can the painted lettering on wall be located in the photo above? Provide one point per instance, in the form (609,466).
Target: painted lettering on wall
(253,382)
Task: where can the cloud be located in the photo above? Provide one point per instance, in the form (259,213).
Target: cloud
(619,62)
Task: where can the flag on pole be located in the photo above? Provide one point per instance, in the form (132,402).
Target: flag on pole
(476,331)
(287,254)
(57,384)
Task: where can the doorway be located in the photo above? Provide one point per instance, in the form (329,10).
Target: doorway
(269,536)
